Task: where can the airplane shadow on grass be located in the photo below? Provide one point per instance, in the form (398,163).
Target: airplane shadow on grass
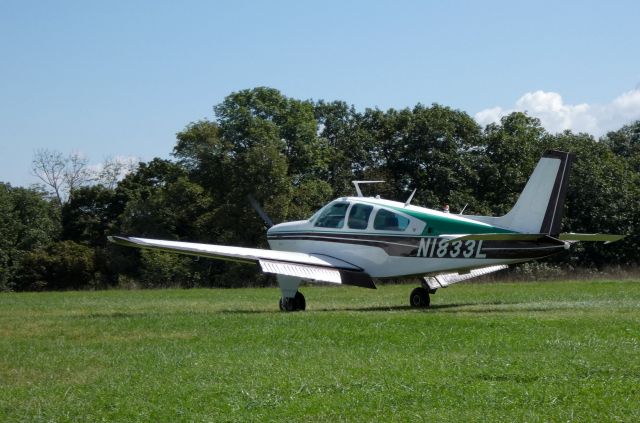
(338,309)
(483,308)
(473,308)
(397,307)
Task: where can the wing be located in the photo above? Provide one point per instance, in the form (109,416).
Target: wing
(315,267)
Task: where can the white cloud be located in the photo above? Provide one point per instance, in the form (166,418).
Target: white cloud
(556,116)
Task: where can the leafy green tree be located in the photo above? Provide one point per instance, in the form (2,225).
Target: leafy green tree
(293,156)
(166,270)
(62,265)
(603,196)
(625,143)
(512,149)
(27,222)
(89,215)
(354,150)
(139,200)
(433,149)
(252,117)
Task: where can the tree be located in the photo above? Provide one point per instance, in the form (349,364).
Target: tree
(62,265)
(49,166)
(114,170)
(354,151)
(61,174)
(433,149)
(27,222)
(166,270)
(625,143)
(251,117)
(89,215)
(293,156)
(603,196)
(512,149)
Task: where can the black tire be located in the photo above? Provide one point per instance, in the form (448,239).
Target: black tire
(296,303)
(299,301)
(419,298)
(287,304)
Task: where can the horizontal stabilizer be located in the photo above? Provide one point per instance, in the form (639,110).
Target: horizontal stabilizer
(496,237)
(534,237)
(444,280)
(590,237)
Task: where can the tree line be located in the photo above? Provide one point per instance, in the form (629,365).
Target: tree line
(293,156)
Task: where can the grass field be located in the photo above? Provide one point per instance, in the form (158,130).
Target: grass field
(563,351)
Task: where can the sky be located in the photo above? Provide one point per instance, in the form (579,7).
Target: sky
(119,79)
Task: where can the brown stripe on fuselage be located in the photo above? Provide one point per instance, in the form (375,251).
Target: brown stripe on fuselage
(403,246)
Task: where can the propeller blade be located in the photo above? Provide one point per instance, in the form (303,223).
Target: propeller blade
(256,206)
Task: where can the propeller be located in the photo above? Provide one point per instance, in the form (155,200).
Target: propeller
(256,206)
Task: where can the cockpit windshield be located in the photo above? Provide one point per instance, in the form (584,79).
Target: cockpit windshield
(332,216)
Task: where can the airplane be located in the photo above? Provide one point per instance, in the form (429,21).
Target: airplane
(356,240)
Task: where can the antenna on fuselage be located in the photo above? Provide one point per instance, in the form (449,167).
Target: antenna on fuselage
(410,197)
(357,185)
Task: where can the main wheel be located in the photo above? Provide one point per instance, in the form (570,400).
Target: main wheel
(300,302)
(419,298)
(294,303)
(286,304)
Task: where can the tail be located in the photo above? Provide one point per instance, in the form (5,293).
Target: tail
(540,207)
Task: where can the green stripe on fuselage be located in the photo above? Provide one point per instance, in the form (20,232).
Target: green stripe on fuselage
(438,225)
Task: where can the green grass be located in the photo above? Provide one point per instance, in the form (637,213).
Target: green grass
(564,351)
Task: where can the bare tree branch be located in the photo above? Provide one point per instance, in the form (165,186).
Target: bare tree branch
(114,169)
(61,175)
(76,172)
(49,167)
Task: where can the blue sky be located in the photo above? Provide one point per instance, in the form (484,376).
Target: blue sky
(120,78)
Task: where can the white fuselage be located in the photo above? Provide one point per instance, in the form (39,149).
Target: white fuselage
(388,252)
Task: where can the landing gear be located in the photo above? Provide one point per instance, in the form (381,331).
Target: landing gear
(296,303)
(419,298)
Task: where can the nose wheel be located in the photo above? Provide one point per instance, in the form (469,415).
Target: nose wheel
(296,303)
(419,298)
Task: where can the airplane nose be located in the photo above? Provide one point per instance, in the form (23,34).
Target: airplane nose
(272,229)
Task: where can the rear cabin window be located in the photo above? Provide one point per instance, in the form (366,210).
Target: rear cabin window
(359,216)
(389,221)
(332,216)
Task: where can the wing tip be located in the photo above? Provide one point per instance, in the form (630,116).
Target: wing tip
(121,240)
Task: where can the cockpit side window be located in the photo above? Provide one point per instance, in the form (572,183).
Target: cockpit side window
(332,216)
(389,221)
(359,216)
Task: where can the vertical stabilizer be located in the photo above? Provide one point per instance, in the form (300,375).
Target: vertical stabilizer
(540,207)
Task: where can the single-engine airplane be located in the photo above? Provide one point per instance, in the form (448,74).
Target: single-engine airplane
(354,240)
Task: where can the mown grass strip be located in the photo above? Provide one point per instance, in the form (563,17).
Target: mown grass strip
(534,352)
